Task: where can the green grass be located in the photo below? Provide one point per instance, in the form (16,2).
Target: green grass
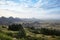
(5,37)
(6,34)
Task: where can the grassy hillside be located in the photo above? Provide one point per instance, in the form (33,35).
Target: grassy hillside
(31,34)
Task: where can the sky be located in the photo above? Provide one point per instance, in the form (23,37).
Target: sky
(41,9)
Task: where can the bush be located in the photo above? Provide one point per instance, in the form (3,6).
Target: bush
(21,33)
(50,31)
(15,27)
(18,27)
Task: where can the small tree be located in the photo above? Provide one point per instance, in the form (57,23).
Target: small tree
(15,27)
(18,27)
(21,33)
(50,31)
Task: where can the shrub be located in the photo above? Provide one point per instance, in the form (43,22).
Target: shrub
(15,27)
(21,33)
(50,31)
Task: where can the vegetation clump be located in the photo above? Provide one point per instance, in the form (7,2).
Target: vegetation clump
(15,27)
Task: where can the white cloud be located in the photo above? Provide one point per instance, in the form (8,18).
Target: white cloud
(24,9)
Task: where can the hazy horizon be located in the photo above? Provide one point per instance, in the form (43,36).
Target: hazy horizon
(40,9)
